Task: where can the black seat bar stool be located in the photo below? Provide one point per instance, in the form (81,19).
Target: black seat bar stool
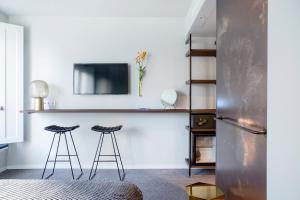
(59,131)
(107,131)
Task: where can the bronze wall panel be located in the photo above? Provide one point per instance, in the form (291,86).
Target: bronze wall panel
(242,95)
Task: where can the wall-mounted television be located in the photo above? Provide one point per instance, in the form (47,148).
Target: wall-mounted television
(100,78)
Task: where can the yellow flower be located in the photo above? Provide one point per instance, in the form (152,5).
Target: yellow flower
(141,56)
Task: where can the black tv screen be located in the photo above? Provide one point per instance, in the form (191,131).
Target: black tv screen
(91,79)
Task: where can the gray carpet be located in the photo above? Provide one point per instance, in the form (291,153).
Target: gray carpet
(155,184)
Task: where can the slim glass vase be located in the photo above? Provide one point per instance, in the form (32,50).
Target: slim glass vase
(140,88)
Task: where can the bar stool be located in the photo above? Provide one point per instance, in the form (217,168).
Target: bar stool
(59,131)
(107,131)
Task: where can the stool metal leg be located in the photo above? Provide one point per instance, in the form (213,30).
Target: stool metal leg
(56,154)
(116,154)
(98,159)
(76,156)
(118,151)
(62,130)
(69,155)
(112,140)
(95,158)
(48,156)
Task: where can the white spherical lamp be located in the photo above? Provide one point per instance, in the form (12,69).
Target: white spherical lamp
(169,98)
(39,91)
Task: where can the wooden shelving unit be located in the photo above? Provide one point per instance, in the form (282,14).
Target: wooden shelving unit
(198,132)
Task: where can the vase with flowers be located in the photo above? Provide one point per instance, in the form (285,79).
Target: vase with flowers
(140,61)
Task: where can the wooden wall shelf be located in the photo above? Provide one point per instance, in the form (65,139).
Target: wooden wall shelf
(201,53)
(201,165)
(201,82)
(198,130)
(107,111)
(119,111)
(203,111)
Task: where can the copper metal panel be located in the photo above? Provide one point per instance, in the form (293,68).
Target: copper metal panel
(241,163)
(242,60)
(241,95)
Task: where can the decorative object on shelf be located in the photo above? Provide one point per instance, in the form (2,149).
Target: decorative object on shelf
(204,121)
(140,60)
(39,91)
(168,98)
(49,104)
(205,148)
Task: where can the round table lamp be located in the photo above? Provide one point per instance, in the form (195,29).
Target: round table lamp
(39,91)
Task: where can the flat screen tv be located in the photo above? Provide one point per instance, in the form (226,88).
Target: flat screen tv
(92,79)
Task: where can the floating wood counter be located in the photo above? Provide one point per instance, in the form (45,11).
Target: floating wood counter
(117,111)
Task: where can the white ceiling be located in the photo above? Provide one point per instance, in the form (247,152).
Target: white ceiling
(98,8)
(205,22)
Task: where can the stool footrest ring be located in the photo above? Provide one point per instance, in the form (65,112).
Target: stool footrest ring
(58,161)
(105,161)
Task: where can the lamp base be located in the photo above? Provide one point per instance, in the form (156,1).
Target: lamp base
(38,104)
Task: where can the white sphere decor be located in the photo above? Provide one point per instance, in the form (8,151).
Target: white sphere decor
(168,98)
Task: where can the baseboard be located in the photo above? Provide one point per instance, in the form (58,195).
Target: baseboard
(106,167)
(3,169)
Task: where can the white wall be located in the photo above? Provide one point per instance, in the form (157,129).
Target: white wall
(283,100)
(204,96)
(3,17)
(53,44)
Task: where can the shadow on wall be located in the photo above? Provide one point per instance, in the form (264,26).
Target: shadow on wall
(182,100)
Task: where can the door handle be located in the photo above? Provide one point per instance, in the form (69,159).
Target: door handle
(1,108)
(234,122)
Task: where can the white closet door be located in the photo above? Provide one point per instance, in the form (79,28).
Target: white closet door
(13,89)
(2,82)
